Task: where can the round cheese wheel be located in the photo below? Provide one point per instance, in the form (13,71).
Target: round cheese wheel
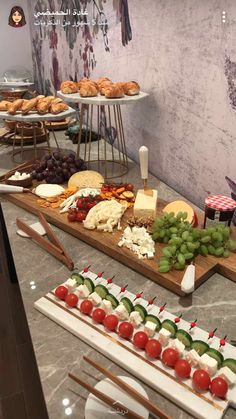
(46,190)
(177,206)
(86,179)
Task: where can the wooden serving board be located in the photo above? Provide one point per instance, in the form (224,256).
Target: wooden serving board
(122,352)
(107,243)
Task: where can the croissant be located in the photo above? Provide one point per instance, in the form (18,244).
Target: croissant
(4,105)
(15,106)
(56,100)
(29,105)
(131,88)
(104,86)
(88,90)
(43,106)
(58,107)
(68,87)
(114,92)
(39,97)
(102,79)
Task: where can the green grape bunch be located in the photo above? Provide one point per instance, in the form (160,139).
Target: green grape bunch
(185,242)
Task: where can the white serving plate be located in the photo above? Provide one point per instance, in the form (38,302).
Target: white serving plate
(157,376)
(15,83)
(100,99)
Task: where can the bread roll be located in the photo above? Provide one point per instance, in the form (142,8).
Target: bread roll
(15,106)
(131,88)
(4,105)
(114,91)
(68,87)
(57,108)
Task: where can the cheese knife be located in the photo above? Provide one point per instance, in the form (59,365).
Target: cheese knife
(143,159)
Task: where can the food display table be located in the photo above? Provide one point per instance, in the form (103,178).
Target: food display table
(33,118)
(104,114)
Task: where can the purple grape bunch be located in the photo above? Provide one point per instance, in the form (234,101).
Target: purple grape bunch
(57,167)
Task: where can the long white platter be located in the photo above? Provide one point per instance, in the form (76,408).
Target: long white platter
(157,376)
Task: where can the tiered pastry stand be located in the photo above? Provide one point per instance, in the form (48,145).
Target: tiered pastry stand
(33,118)
(104,114)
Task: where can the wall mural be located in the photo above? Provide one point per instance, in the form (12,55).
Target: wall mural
(16,17)
(77,24)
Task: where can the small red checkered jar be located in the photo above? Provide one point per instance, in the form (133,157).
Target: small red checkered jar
(219,208)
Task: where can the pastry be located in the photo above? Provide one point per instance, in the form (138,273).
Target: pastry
(103,86)
(88,90)
(114,91)
(4,105)
(40,97)
(28,105)
(131,88)
(56,100)
(68,87)
(56,108)
(102,79)
(15,106)
(43,106)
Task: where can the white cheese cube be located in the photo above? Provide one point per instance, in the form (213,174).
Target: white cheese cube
(71,284)
(145,205)
(164,336)
(106,306)
(82,291)
(208,364)
(95,298)
(135,318)
(150,328)
(193,358)
(121,312)
(228,375)
(179,346)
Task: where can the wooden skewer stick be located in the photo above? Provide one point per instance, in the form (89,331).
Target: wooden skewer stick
(116,405)
(130,390)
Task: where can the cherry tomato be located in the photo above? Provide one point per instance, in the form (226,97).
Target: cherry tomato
(72,216)
(98,315)
(169,357)
(153,348)
(219,387)
(86,306)
(61,292)
(129,187)
(201,379)
(90,205)
(80,203)
(125,330)
(80,216)
(140,340)
(182,368)
(111,322)
(72,300)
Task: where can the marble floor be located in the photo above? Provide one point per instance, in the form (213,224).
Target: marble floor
(58,351)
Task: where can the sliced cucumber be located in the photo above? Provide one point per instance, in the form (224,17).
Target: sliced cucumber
(171,326)
(154,319)
(113,300)
(78,277)
(230,363)
(89,284)
(101,290)
(200,347)
(216,355)
(184,337)
(141,310)
(128,304)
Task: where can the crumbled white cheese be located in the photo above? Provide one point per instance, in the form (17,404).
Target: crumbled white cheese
(150,328)
(208,364)
(228,375)
(135,318)
(139,241)
(164,336)
(193,358)
(105,216)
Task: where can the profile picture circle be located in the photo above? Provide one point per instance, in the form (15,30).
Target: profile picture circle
(16,17)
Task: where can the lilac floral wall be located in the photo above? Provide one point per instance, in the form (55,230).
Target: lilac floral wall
(183,55)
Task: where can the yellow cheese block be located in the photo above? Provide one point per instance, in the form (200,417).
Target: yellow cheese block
(145,205)
(180,206)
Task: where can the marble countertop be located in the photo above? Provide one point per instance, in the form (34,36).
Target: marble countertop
(58,351)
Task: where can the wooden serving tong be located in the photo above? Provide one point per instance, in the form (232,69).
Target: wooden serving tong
(54,247)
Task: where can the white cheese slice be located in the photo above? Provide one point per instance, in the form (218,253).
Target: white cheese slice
(46,190)
(106,306)
(95,298)
(193,358)
(82,291)
(71,284)
(150,328)
(228,375)
(145,205)
(208,364)
(179,346)
(164,336)
(135,318)
(121,312)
